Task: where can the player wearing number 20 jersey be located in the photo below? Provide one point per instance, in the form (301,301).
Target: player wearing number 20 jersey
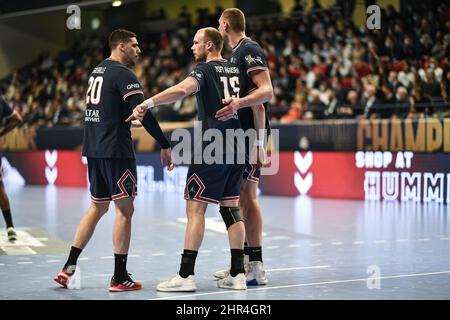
(106,134)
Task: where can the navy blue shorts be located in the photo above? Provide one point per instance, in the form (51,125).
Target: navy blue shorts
(251,172)
(213,183)
(112,179)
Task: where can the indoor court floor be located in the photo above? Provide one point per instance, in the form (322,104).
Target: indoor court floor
(313,248)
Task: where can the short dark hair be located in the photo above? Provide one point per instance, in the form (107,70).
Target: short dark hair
(212,34)
(120,36)
(236,18)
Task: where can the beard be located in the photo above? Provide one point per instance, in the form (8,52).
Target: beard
(201,57)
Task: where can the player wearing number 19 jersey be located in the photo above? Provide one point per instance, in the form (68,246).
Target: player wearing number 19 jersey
(208,182)
(113,91)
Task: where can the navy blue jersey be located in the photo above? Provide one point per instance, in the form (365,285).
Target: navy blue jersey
(248,56)
(106,134)
(5,111)
(217,80)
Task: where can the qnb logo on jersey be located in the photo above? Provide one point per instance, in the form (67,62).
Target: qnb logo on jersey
(92,115)
(133,86)
(303,179)
(51,171)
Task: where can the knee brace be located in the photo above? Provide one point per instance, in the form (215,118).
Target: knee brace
(230,215)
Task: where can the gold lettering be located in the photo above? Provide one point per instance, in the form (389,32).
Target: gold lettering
(447,135)
(396,142)
(434,134)
(19,139)
(380,142)
(417,143)
(364,131)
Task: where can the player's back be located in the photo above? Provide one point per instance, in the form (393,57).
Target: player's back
(106,133)
(218,80)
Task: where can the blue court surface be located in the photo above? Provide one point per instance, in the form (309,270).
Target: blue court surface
(313,248)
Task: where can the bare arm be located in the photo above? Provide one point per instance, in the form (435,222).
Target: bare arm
(262,93)
(177,92)
(11,123)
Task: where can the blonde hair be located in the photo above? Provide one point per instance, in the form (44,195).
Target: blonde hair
(236,19)
(212,34)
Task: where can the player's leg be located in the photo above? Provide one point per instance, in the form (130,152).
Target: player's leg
(6,210)
(235,279)
(253,226)
(184,280)
(251,212)
(83,234)
(121,281)
(123,179)
(229,210)
(100,198)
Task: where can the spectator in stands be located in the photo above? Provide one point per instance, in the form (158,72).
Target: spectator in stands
(402,105)
(370,97)
(410,50)
(420,103)
(351,107)
(315,108)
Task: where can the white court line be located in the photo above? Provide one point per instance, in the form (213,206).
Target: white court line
(52,261)
(380,241)
(304,285)
(83,259)
(444,238)
(1,264)
(358,242)
(158,254)
(272,247)
(205,251)
(133,255)
(298,268)
(108,257)
(25,262)
(423,239)
(293,246)
(316,244)
(337,243)
(402,240)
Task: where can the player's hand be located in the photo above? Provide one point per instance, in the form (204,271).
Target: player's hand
(136,124)
(258,156)
(228,111)
(138,113)
(166,158)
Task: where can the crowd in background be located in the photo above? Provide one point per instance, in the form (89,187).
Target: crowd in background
(321,65)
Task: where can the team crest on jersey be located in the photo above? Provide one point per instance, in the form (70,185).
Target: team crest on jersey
(251,60)
(196,75)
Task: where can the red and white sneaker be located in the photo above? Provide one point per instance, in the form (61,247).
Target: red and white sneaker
(69,277)
(127,284)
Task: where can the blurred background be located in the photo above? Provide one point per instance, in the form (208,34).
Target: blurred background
(339,86)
